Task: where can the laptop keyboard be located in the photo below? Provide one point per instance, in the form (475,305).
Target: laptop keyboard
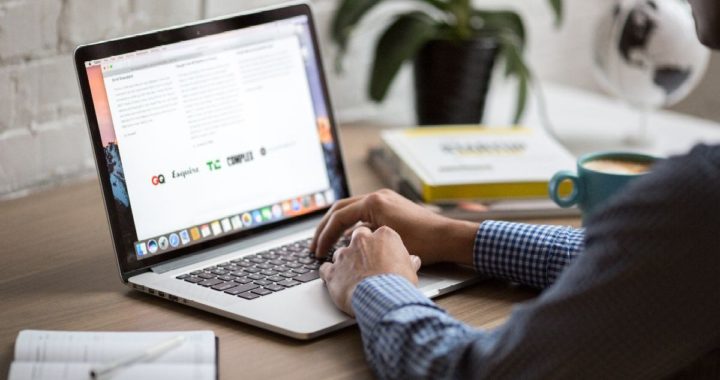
(263,273)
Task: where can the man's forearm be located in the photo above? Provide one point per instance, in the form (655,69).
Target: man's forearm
(405,335)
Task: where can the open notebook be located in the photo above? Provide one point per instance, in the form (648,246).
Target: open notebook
(65,355)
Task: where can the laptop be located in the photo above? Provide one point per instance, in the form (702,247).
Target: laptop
(217,154)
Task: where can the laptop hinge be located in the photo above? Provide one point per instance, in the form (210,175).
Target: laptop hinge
(236,246)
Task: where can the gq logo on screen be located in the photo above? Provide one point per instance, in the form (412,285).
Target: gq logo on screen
(157,179)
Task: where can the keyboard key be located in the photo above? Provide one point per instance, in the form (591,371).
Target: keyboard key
(293,265)
(206,275)
(251,270)
(224,286)
(288,283)
(261,291)
(309,276)
(219,271)
(241,289)
(300,270)
(306,260)
(244,264)
(268,272)
(210,282)
(276,262)
(274,288)
(313,266)
(263,266)
(196,272)
(248,295)
(262,282)
(182,276)
(242,280)
(288,274)
(256,276)
(228,277)
(194,280)
(276,278)
(239,273)
(257,260)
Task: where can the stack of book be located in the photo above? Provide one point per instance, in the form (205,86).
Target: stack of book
(472,172)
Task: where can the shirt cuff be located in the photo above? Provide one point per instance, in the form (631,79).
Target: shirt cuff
(476,246)
(376,296)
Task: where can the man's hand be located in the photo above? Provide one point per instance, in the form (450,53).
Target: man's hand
(432,237)
(369,253)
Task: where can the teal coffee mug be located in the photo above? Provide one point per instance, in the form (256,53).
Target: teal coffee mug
(599,176)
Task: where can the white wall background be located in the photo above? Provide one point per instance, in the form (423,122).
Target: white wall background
(43,138)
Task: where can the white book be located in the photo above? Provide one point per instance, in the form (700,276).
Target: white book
(476,163)
(66,355)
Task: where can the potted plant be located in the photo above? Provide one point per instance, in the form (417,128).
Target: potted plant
(454,47)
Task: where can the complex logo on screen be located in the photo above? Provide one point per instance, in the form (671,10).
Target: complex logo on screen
(240,158)
(157,179)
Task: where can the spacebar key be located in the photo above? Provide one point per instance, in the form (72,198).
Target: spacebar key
(241,289)
(309,276)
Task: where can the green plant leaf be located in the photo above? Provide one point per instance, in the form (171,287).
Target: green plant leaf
(515,66)
(347,15)
(507,22)
(439,4)
(521,98)
(557,8)
(400,42)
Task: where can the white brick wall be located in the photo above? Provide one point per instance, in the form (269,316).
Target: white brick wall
(43,137)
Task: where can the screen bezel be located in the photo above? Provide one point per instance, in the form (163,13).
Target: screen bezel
(173,35)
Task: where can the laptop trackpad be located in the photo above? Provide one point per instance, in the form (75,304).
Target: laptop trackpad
(440,279)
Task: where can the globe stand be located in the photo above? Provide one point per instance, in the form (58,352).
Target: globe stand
(639,136)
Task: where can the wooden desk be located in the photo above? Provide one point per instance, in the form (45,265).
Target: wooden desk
(57,271)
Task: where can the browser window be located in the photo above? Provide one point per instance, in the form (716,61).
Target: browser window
(214,135)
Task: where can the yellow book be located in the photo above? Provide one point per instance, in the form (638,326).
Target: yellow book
(476,163)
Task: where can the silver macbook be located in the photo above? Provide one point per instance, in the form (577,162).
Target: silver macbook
(217,154)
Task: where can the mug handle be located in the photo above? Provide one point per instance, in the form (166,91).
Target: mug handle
(554,185)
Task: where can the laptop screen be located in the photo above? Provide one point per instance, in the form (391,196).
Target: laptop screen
(208,137)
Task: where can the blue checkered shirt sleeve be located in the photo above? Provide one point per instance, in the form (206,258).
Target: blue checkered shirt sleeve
(529,254)
(405,335)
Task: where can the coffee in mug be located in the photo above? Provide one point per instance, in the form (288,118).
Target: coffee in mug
(599,176)
(618,167)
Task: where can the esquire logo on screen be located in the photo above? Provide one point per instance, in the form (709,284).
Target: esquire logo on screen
(175,174)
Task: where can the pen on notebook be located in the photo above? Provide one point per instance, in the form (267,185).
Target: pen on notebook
(148,354)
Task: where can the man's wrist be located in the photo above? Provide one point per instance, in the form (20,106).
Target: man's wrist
(377,295)
(458,237)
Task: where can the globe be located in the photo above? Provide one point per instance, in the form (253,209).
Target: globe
(647,52)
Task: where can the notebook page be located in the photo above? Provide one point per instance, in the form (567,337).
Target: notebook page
(102,347)
(81,371)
